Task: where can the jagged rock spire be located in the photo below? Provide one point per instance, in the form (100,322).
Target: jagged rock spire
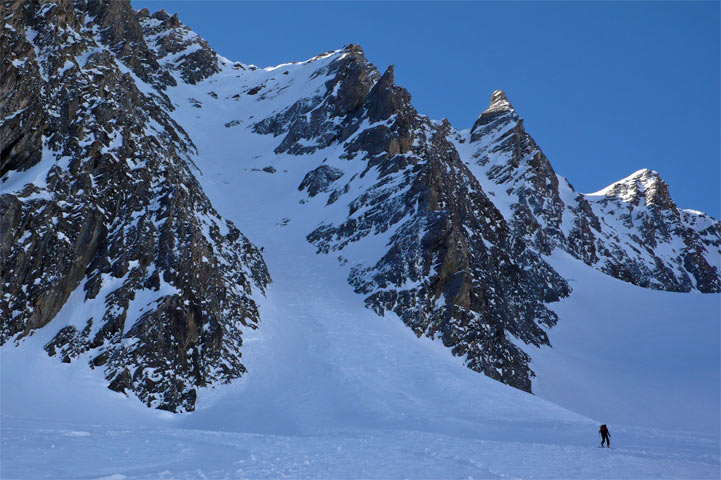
(499,108)
(499,102)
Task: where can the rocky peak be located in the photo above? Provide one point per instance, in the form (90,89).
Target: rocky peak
(177,48)
(645,184)
(449,236)
(171,21)
(386,99)
(649,242)
(356,76)
(631,229)
(354,49)
(354,92)
(517,167)
(120,30)
(113,218)
(499,112)
(499,102)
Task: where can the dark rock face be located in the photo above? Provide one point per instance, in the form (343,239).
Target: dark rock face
(452,268)
(24,116)
(177,48)
(311,119)
(114,218)
(319,179)
(514,161)
(633,231)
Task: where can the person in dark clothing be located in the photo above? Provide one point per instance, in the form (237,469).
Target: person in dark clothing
(605,436)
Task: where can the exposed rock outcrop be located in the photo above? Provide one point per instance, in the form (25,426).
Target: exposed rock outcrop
(104,227)
(631,230)
(452,268)
(319,179)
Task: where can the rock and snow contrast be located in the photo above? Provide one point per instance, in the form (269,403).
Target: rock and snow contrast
(631,230)
(107,237)
(319,273)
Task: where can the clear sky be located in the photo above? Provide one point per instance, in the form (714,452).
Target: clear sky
(606,88)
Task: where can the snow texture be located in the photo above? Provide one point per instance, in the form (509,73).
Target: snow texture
(333,390)
(373,401)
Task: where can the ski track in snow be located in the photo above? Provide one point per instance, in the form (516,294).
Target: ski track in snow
(333,390)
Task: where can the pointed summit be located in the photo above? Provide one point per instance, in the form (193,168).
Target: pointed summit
(640,179)
(500,109)
(499,102)
(354,48)
(386,98)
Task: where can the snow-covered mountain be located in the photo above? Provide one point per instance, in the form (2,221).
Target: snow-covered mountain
(107,237)
(649,241)
(631,230)
(127,143)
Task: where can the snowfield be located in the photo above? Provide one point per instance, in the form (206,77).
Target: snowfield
(335,391)
(372,401)
(625,354)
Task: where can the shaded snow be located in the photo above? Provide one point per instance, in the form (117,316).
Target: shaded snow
(626,354)
(335,391)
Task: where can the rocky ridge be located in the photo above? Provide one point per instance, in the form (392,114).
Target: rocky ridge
(100,209)
(631,230)
(100,206)
(451,267)
(650,242)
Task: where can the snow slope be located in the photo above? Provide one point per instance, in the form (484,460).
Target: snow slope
(368,405)
(335,391)
(625,354)
(617,350)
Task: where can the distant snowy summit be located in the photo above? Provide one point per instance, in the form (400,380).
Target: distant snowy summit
(652,242)
(113,250)
(631,230)
(644,184)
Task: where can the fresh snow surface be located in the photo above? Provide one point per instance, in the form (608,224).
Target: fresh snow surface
(335,391)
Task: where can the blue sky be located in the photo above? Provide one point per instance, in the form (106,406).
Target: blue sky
(606,88)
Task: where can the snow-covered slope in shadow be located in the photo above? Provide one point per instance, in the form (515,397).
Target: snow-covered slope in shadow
(626,354)
(333,391)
